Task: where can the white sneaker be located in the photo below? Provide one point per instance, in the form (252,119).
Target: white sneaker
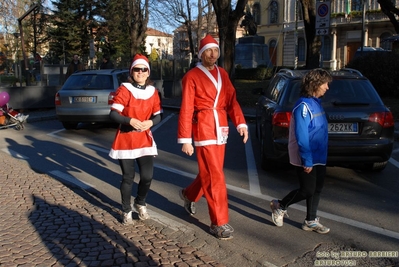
(277,213)
(142,211)
(315,226)
(127,218)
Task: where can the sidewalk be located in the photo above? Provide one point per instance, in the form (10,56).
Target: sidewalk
(45,223)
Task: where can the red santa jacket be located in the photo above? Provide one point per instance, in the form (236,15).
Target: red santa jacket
(140,104)
(206,102)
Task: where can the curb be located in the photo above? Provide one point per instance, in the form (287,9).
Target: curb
(41,118)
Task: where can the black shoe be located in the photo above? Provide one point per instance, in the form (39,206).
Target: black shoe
(188,205)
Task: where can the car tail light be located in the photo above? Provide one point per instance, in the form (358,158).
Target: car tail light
(281,119)
(111,98)
(385,119)
(57,99)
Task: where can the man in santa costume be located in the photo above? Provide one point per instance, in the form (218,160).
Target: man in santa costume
(208,97)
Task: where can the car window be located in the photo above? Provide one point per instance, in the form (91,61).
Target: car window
(293,93)
(269,89)
(87,82)
(102,82)
(122,77)
(276,88)
(351,91)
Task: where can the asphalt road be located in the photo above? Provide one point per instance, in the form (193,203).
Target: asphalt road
(361,208)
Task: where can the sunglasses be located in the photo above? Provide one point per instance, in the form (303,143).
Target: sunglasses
(140,69)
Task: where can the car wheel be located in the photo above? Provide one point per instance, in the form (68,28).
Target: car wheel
(70,125)
(377,166)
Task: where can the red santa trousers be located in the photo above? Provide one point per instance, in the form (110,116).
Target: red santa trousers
(210,182)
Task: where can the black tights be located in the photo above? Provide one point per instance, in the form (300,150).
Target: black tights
(146,168)
(310,186)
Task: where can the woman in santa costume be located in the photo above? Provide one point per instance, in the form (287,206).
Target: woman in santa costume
(208,97)
(136,108)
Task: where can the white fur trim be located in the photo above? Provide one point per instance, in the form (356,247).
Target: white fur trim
(140,61)
(140,93)
(207,46)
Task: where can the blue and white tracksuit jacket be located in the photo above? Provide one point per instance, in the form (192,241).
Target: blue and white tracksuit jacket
(308,133)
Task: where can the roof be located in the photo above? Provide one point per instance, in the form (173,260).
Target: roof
(96,71)
(344,72)
(154,32)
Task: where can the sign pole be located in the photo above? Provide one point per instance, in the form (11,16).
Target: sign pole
(321,51)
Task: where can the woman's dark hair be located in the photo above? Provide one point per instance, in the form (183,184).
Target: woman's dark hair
(147,82)
(313,80)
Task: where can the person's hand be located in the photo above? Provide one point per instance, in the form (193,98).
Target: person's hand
(307,169)
(188,149)
(243,131)
(136,124)
(146,125)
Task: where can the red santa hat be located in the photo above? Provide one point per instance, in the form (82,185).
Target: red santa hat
(140,59)
(206,43)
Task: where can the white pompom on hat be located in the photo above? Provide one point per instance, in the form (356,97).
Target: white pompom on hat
(206,43)
(140,59)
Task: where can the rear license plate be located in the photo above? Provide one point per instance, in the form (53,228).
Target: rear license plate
(338,128)
(84,99)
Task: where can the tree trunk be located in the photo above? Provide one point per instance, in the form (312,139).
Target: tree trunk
(227,20)
(138,24)
(390,10)
(313,43)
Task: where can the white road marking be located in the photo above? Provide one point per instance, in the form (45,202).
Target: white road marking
(394,162)
(164,120)
(14,154)
(253,178)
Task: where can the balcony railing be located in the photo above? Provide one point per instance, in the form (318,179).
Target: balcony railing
(357,18)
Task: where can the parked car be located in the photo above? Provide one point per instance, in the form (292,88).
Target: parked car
(360,126)
(87,96)
(370,51)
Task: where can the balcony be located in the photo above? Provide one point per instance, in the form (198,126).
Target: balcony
(356,17)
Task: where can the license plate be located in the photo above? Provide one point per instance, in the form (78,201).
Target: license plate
(338,128)
(84,99)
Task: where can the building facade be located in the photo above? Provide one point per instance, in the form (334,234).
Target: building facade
(181,40)
(280,21)
(159,42)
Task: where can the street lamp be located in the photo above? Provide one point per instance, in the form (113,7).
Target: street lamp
(17,66)
(151,44)
(363,25)
(160,60)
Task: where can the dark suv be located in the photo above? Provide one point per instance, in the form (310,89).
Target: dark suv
(87,96)
(360,126)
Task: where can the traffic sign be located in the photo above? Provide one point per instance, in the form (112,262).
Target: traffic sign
(323,18)
(322,31)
